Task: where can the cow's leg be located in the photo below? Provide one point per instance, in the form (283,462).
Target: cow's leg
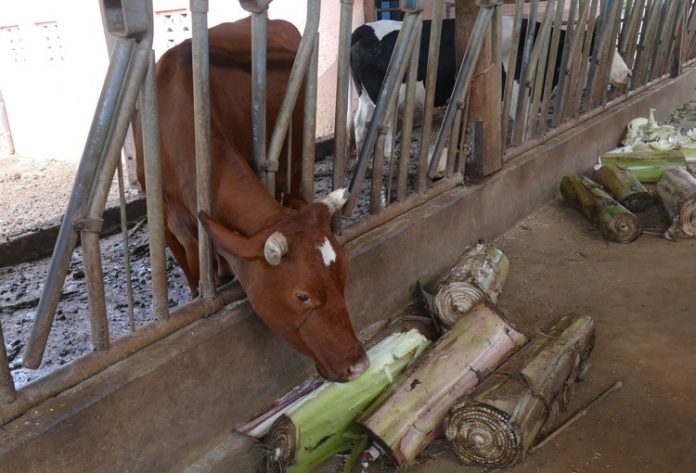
(180,255)
(620,74)
(362,119)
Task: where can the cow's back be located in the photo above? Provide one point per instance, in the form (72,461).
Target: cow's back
(230,119)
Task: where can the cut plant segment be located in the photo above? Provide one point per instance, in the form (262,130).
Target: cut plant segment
(478,275)
(677,193)
(647,166)
(614,221)
(313,428)
(623,185)
(496,424)
(409,415)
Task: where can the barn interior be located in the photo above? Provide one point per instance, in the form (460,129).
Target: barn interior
(166,396)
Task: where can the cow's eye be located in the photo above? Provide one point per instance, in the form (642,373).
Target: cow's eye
(304,298)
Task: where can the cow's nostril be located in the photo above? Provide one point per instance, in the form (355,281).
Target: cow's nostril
(358,368)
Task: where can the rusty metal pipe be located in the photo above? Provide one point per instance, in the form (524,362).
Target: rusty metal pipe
(297,74)
(90,364)
(201,112)
(341,117)
(152,162)
(310,125)
(126,247)
(7,388)
(387,94)
(67,237)
(466,72)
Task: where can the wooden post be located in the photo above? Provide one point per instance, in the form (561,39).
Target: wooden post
(679,44)
(369,9)
(484,97)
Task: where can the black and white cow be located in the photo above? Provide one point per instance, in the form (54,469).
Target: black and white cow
(371,49)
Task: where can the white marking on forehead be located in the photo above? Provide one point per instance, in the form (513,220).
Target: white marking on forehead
(327,252)
(384,27)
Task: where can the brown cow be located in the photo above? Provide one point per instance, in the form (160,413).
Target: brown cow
(287,260)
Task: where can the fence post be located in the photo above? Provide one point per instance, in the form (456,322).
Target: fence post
(484,97)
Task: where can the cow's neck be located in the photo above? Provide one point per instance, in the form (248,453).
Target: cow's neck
(248,207)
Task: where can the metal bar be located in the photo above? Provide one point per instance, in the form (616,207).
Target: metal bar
(310,125)
(90,364)
(343,85)
(429,99)
(511,68)
(100,192)
(396,209)
(658,49)
(377,172)
(201,112)
(67,237)
(95,290)
(258,89)
(621,42)
(580,78)
(640,46)
(7,388)
(387,94)
(520,112)
(550,69)
(603,56)
(567,61)
(407,124)
(126,247)
(541,50)
(628,49)
(669,38)
(647,45)
(297,74)
(152,161)
(466,72)
(452,149)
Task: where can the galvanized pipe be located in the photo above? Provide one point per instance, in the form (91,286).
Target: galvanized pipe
(90,364)
(297,74)
(126,247)
(377,172)
(407,126)
(550,69)
(566,66)
(341,118)
(429,100)
(520,112)
(67,236)
(7,387)
(310,125)
(452,149)
(201,113)
(466,72)
(100,192)
(259,18)
(511,68)
(387,93)
(152,162)
(539,58)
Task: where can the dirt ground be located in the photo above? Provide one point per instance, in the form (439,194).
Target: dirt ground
(642,297)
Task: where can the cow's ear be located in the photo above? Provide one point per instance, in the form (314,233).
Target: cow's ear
(230,241)
(335,199)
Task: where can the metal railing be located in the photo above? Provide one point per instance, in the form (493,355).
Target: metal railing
(656,38)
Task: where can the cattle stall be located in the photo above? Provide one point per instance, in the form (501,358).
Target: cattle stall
(557,79)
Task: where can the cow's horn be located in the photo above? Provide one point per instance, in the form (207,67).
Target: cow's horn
(335,200)
(276,246)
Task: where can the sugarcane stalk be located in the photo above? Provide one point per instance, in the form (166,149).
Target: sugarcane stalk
(614,221)
(496,424)
(409,415)
(478,275)
(647,166)
(321,423)
(676,191)
(624,186)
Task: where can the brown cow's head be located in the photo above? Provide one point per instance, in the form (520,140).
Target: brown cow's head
(294,273)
